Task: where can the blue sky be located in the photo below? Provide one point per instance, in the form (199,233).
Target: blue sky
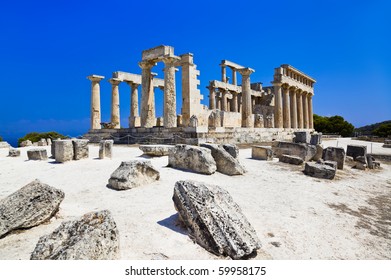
(47,48)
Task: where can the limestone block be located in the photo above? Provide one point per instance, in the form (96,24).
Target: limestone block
(356,150)
(63,150)
(335,154)
(193,158)
(262,152)
(291,159)
(156,150)
(53,148)
(4,145)
(305,151)
(80,148)
(29,206)
(37,154)
(132,174)
(330,163)
(232,149)
(42,142)
(214,220)
(193,121)
(26,143)
(157,52)
(372,164)
(319,152)
(94,236)
(225,163)
(214,119)
(319,170)
(13,152)
(302,137)
(258,121)
(106,149)
(316,139)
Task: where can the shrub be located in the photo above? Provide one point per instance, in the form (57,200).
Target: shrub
(383,131)
(36,136)
(333,125)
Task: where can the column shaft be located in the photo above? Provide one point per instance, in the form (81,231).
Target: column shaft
(148,118)
(234,106)
(310,112)
(234,82)
(223,74)
(300,110)
(278,119)
(247,120)
(287,112)
(293,109)
(305,110)
(169,109)
(212,98)
(115,115)
(134,101)
(95,101)
(224,105)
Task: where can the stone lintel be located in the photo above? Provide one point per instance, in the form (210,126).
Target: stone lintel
(95,78)
(157,53)
(231,64)
(136,79)
(290,67)
(232,88)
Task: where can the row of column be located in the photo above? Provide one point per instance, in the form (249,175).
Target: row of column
(293,107)
(224,77)
(222,102)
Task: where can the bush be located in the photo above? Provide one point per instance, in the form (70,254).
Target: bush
(333,125)
(36,136)
(383,131)
(1,138)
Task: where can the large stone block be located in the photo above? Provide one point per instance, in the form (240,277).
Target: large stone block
(302,137)
(132,174)
(13,152)
(305,151)
(262,152)
(319,153)
(42,142)
(92,237)
(291,159)
(63,150)
(193,158)
(214,220)
(232,149)
(214,119)
(317,170)
(316,139)
(26,143)
(106,149)
(356,151)
(157,52)
(37,154)
(30,206)
(53,148)
(335,154)
(80,149)
(156,150)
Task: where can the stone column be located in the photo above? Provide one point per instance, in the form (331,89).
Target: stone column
(223,74)
(115,116)
(218,99)
(310,112)
(212,98)
(234,81)
(299,109)
(234,104)
(224,105)
(287,107)
(305,110)
(247,120)
(278,120)
(293,108)
(147,95)
(95,101)
(169,108)
(133,103)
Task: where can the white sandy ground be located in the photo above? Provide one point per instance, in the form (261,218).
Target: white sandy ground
(295,216)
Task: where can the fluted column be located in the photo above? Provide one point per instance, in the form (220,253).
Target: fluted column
(224,105)
(305,110)
(133,103)
(218,99)
(287,107)
(234,102)
(278,119)
(234,81)
(300,109)
(95,101)
(310,112)
(247,120)
(169,108)
(223,74)
(212,98)
(147,95)
(115,116)
(293,108)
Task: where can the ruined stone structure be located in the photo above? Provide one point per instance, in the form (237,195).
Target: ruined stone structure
(245,113)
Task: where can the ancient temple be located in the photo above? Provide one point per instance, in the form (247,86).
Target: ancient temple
(246,113)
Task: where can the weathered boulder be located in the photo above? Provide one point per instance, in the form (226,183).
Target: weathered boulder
(319,170)
(262,152)
(42,142)
(214,220)
(92,237)
(372,163)
(4,145)
(156,150)
(53,148)
(335,154)
(316,139)
(302,137)
(319,152)
(214,119)
(232,149)
(31,205)
(106,149)
(225,163)
(132,174)
(305,151)
(26,143)
(330,163)
(80,148)
(63,150)
(193,158)
(37,154)
(13,152)
(291,159)
(258,121)
(356,151)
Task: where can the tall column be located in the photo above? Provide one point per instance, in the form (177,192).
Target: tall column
(305,110)
(310,112)
(234,81)
(287,111)
(115,116)
(95,101)
(133,103)
(247,120)
(212,98)
(278,120)
(240,103)
(234,103)
(218,99)
(169,108)
(224,105)
(293,108)
(300,109)
(147,95)
(223,74)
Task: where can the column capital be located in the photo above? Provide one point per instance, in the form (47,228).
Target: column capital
(115,81)
(95,78)
(170,61)
(275,83)
(246,71)
(132,84)
(146,64)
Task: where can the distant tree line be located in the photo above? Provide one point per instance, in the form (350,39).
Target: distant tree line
(1,138)
(382,129)
(36,136)
(333,125)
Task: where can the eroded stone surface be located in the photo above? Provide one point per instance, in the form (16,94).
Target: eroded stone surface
(302,137)
(106,149)
(156,150)
(356,151)
(31,205)
(262,152)
(63,150)
(92,237)
(232,149)
(305,151)
(13,152)
(214,220)
(291,159)
(80,149)
(37,154)
(335,154)
(318,170)
(26,143)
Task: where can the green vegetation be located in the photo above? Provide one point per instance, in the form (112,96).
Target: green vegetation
(333,125)
(1,138)
(370,129)
(36,136)
(383,130)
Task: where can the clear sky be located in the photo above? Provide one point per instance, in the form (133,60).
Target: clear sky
(47,48)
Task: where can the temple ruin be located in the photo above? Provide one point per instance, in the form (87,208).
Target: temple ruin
(246,113)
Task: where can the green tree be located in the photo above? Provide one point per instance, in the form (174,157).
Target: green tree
(36,136)
(383,131)
(1,138)
(333,125)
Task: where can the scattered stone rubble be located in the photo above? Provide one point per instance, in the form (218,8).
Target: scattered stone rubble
(291,159)
(106,149)
(319,170)
(14,152)
(156,150)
